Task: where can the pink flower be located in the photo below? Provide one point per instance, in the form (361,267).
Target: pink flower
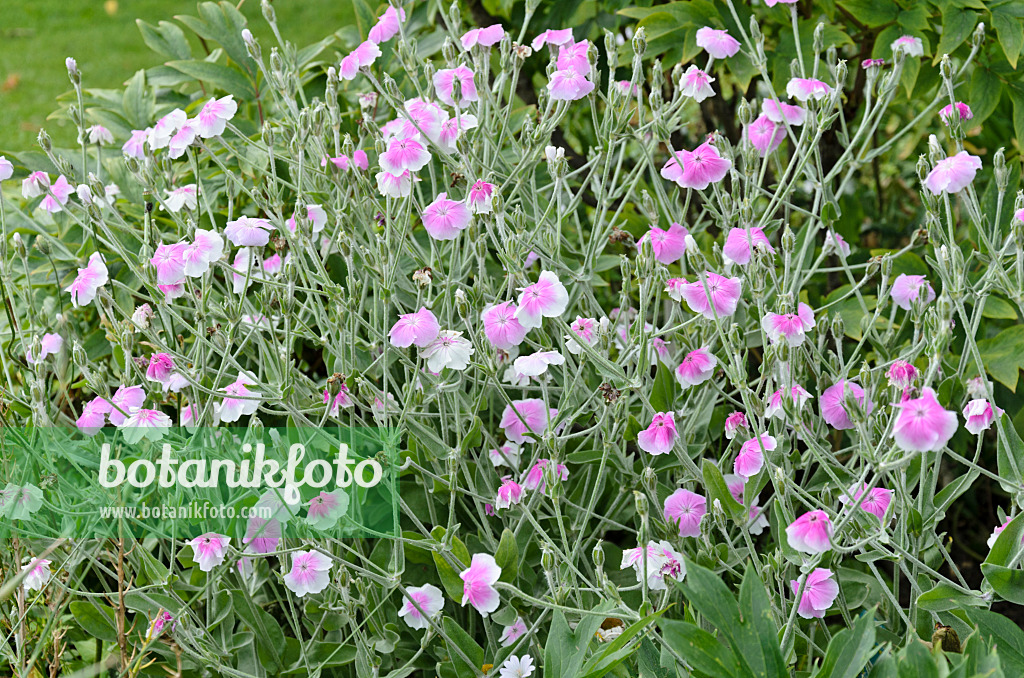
(696,169)
(394,185)
(506,455)
(534,479)
(717,43)
(248,232)
(238,400)
(419,328)
(485,37)
(876,502)
(262,535)
(833,407)
(88,281)
(182,139)
(741,242)
(765,135)
(669,245)
(478,584)
(963,111)
(756,521)
(510,492)
(214,117)
(953,174)
(444,81)
(810,533)
(388,25)
(501,327)
(135,146)
(341,399)
(326,509)
(58,196)
(909,44)
(901,374)
(50,344)
(161,366)
(6,168)
(980,414)
(163,620)
(674,288)
(555,37)
(38,574)
(94,415)
(872,63)
(569,85)
(452,129)
(513,633)
(144,423)
(908,288)
(820,591)
(169,262)
(309,573)
(34,185)
(661,561)
(208,550)
(922,425)
(803,89)
(404,154)
(536,364)
(696,84)
(835,243)
(685,509)
(444,219)
(797,393)
(573,56)
(697,367)
(184,196)
(546,298)
(362,56)
(715,296)
(161,133)
(126,399)
(448,350)
(777,112)
(525,418)
(583,330)
(206,248)
(733,423)
(790,328)
(750,460)
(481,196)
(998,531)
(660,436)
(422,604)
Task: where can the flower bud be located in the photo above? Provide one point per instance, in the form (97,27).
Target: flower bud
(978,38)
(745,113)
(611,53)
(256,428)
(73,72)
(19,245)
(252,46)
(268,12)
(454,14)
(640,41)
(597,555)
(819,38)
(838,328)
(650,480)
(641,504)
(547,557)
(788,240)
(1002,176)
(44,141)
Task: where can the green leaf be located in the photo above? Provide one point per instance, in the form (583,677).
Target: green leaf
(138,101)
(459,640)
(943,597)
(850,649)
(602,662)
(699,648)
(914,19)
(507,556)
(914,661)
(566,649)
(1005,635)
(449,577)
(957,24)
(96,619)
(761,639)
(1008,543)
(167,39)
(270,640)
(1007,582)
(1003,354)
(1010,33)
(717,488)
(998,308)
(224,77)
(224,24)
(871,13)
(1009,460)
(986,91)
(648,661)
(663,395)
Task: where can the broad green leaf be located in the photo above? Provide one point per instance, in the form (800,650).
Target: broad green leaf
(223,77)
(850,649)
(663,395)
(957,24)
(1005,635)
(1003,354)
(1007,582)
(1010,32)
(507,556)
(986,90)
(717,489)
(914,661)
(96,619)
(760,637)
(1009,460)
(138,101)
(1008,543)
(166,39)
(700,649)
(871,13)
(914,19)
(648,661)
(449,576)
(943,597)
(270,640)
(566,648)
(460,641)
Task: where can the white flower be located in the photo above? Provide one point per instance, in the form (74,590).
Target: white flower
(514,667)
(448,350)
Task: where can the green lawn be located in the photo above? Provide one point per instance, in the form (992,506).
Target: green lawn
(36,36)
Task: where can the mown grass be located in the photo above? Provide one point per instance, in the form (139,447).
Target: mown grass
(37,35)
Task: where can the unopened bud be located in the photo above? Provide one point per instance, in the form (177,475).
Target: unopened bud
(999,167)
(44,141)
(268,12)
(838,328)
(819,38)
(650,480)
(641,503)
(640,41)
(978,39)
(73,72)
(788,240)
(597,555)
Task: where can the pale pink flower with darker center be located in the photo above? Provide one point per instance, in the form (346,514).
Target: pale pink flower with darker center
(58,195)
(326,509)
(88,281)
(661,561)
(741,242)
(38,574)
(811,533)
(685,509)
(804,89)
(50,344)
(419,328)
(94,416)
(394,185)
(660,436)
(509,492)
(717,43)
(583,330)
(182,139)
(513,633)
(160,134)
(362,56)
(388,25)
(525,418)
(444,86)
(820,591)
(309,573)
(208,550)
(697,367)
(481,197)
(501,327)
(573,56)
(756,520)
(835,243)
(248,232)
(262,535)
(765,135)
(238,400)
(34,185)
(980,414)
(169,262)
(696,84)
(953,174)
(569,85)
(734,423)
(421,605)
(668,245)
(908,289)
(144,423)
(444,219)
(546,298)
(135,147)
(776,408)
(553,37)
(901,374)
(750,459)
(714,296)
(126,399)
(484,37)
(161,366)
(696,169)
(963,111)
(536,364)
(404,154)
(790,328)
(206,248)
(876,501)
(833,406)
(452,129)
(535,480)
(922,425)
(778,112)
(182,197)
(506,455)
(214,117)
(448,350)
(909,44)
(341,399)
(478,584)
